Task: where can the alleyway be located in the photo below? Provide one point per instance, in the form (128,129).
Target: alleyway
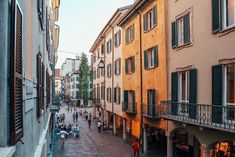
(91,143)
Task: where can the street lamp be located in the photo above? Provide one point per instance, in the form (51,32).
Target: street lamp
(101,65)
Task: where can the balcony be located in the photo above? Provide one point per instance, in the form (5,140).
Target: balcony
(97,102)
(129,108)
(150,111)
(208,116)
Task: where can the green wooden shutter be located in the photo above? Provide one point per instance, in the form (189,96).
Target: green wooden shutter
(155,16)
(145,22)
(155,56)
(216,16)
(153,102)
(119,95)
(217,92)
(126,36)
(115,95)
(174,93)
(125,105)
(193,93)
(119,37)
(126,66)
(133,64)
(145,59)
(174,34)
(186,28)
(133,101)
(132,32)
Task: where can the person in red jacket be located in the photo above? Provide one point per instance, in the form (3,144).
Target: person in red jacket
(136,148)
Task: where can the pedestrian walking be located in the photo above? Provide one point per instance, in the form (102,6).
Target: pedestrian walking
(62,136)
(76,116)
(99,126)
(63,117)
(89,123)
(136,148)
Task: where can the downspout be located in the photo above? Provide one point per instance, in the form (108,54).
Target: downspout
(141,83)
(167,55)
(114,130)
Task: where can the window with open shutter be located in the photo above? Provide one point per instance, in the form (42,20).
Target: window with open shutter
(39,85)
(43,84)
(16,81)
(48,88)
(40,4)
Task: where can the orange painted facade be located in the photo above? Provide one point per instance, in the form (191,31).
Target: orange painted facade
(132,81)
(153,78)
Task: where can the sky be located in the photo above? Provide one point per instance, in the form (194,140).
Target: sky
(80,23)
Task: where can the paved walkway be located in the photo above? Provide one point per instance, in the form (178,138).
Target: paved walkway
(91,143)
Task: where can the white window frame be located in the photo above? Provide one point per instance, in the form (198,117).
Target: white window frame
(224,96)
(150,58)
(224,15)
(187,86)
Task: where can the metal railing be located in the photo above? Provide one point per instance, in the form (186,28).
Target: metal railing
(96,102)
(129,108)
(212,116)
(150,111)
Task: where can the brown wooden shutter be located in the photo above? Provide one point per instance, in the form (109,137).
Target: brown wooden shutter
(16,81)
(43,85)
(39,85)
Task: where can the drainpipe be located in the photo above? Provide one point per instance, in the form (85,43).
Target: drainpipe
(141,83)
(114,118)
(4,44)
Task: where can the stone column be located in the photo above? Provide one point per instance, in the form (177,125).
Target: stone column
(124,129)
(114,125)
(205,152)
(145,147)
(169,147)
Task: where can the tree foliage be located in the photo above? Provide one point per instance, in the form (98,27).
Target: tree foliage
(83,77)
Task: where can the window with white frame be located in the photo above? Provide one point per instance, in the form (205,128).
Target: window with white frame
(151,58)
(181,30)
(118,66)
(184,91)
(230,90)
(109,46)
(130,34)
(228,13)
(117,37)
(150,19)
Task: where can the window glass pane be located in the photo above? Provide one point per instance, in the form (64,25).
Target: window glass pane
(231,83)
(230,12)
(181,31)
(183,85)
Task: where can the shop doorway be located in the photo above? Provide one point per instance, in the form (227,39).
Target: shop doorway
(185,144)
(223,148)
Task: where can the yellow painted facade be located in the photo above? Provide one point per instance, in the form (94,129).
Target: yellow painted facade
(132,81)
(155,78)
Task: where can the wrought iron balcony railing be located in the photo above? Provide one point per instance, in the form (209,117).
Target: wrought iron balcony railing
(130,108)
(211,116)
(97,102)
(150,111)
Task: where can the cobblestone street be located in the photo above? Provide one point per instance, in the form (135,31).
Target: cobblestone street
(91,143)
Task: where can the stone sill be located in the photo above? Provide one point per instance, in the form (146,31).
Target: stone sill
(7,151)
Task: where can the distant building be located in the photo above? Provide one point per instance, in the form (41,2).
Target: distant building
(70,65)
(57,81)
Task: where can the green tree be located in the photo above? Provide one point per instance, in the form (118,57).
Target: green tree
(83,78)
